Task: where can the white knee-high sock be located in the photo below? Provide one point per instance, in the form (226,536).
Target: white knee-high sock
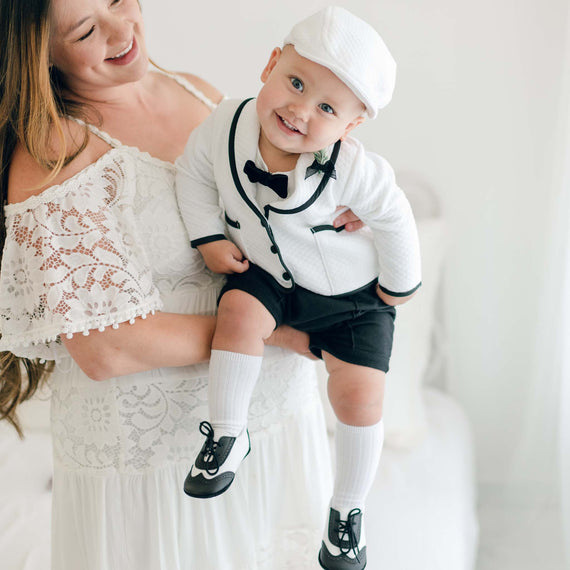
(358,450)
(232,379)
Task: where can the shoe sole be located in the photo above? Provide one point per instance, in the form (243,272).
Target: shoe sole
(325,568)
(211,495)
(219,491)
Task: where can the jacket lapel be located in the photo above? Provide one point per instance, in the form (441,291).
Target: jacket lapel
(243,146)
(243,142)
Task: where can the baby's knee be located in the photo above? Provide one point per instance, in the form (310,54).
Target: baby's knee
(357,397)
(240,313)
(360,397)
(236,302)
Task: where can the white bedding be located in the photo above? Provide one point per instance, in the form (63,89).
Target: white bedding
(420,514)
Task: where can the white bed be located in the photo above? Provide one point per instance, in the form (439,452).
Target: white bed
(421,513)
(25,492)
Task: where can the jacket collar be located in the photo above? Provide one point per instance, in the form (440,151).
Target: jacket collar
(243,145)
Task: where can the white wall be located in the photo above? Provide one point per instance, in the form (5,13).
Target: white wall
(473,113)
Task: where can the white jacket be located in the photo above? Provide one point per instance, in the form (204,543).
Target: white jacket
(293,238)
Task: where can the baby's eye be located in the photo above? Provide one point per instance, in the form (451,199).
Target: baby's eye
(326,108)
(297,83)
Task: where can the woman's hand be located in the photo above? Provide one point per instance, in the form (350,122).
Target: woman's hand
(292,339)
(348,219)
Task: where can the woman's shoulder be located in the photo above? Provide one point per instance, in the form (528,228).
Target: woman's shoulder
(29,178)
(201,85)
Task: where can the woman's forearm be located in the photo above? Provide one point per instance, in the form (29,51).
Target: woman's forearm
(162,339)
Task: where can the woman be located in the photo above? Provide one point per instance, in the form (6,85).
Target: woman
(97,275)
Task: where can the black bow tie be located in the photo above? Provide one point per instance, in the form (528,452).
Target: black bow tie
(277,182)
(327,168)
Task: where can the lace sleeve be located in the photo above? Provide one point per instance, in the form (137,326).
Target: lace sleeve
(73,261)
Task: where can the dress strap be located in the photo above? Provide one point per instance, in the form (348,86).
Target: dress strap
(190,88)
(99,133)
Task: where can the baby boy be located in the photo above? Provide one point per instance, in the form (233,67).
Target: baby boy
(258,187)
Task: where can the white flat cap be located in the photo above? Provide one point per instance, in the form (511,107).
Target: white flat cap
(352,49)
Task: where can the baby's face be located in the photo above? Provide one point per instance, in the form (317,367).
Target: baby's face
(303,106)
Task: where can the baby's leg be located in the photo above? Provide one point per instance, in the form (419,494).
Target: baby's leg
(237,349)
(243,323)
(356,394)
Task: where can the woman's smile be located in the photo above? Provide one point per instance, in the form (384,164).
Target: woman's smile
(125,56)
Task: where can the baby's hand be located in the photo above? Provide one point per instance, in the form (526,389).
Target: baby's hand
(348,219)
(223,256)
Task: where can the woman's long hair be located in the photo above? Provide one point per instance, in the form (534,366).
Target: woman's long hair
(32,102)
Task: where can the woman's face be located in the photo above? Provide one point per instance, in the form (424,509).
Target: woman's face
(97,44)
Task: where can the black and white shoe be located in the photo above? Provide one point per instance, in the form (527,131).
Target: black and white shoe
(344,544)
(214,469)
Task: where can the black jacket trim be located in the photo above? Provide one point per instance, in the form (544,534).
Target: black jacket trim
(405,294)
(326,227)
(207,239)
(252,206)
(233,223)
(316,194)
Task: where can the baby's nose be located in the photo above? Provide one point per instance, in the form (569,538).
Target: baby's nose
(301,112)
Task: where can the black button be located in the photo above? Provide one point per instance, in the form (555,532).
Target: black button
(286,276)
(273,249)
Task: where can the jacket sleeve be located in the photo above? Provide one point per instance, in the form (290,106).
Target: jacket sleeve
(196,189)
(375,198)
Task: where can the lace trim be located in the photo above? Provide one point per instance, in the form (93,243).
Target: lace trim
(151,419)
(52,333)
(58,191)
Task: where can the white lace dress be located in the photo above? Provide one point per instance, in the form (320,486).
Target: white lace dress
(102,248)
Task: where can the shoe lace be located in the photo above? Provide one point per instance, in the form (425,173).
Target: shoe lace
(209,448)
(347,535)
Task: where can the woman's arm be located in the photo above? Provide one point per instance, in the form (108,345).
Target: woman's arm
(162,339)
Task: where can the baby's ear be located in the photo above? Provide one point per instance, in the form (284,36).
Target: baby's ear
(352,125)
(273,59)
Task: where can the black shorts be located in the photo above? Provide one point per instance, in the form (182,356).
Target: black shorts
(356,327)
